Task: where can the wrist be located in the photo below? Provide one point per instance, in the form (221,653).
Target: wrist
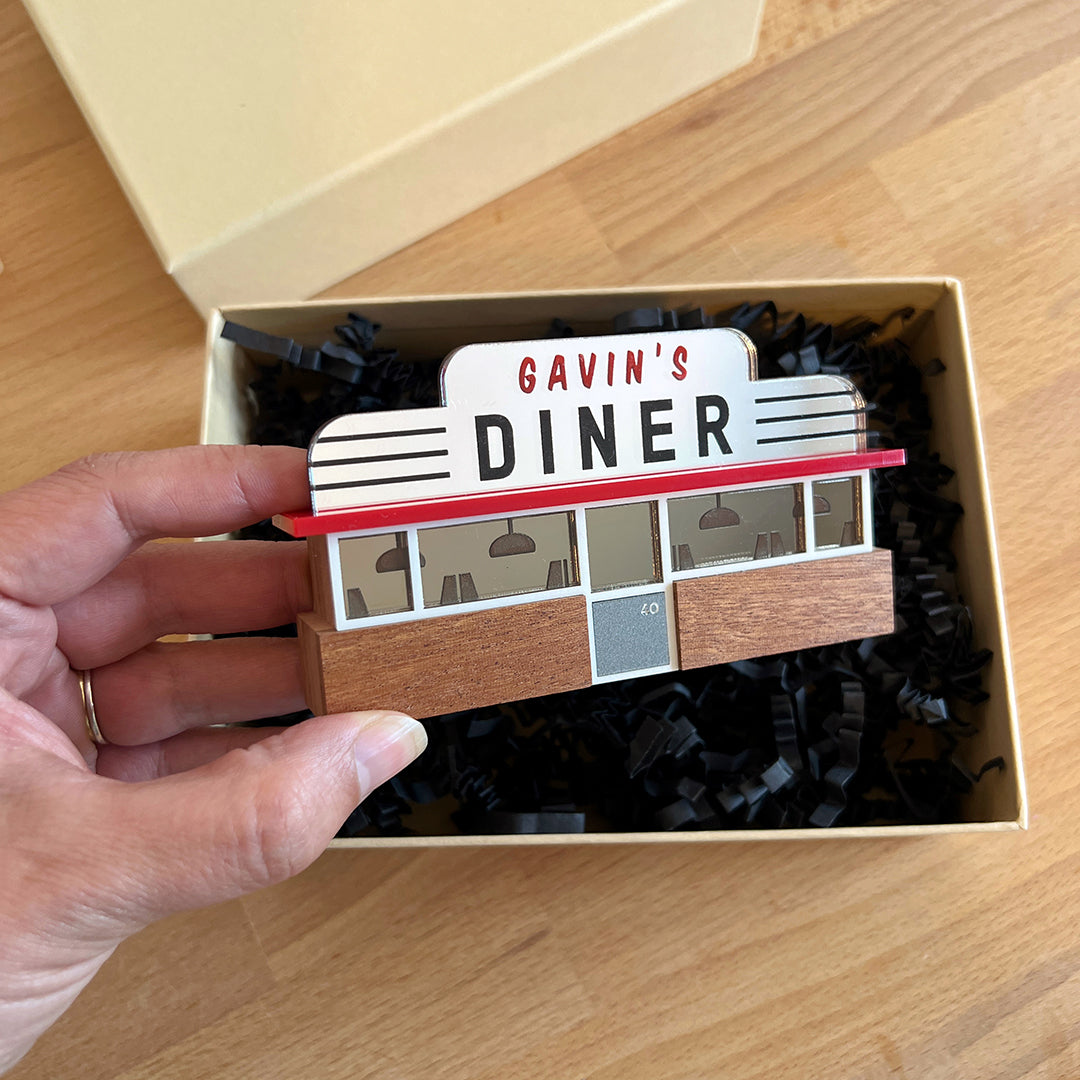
(39,985)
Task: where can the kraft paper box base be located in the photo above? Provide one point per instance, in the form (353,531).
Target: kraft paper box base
(426,328)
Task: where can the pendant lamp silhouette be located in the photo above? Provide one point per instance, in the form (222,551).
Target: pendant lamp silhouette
(511,543)
(719,517)
(396,558)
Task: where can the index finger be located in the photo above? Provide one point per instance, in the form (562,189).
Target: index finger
(67,530)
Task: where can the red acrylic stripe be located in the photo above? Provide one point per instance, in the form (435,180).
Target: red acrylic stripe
(497,503)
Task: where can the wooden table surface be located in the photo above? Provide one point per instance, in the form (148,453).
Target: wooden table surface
(868,138)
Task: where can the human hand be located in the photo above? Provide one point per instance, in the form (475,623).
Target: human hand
(98,841)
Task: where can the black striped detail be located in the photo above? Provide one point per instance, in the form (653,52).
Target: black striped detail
(803,397)
(384,480)
(381,435)
(810,416)
(381,457)
(812,435)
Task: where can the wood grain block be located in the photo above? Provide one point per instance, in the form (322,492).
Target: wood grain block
(779,608)
(322,590)
(489,656)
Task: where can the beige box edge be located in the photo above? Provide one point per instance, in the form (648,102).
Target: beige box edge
(848,832)
(955,288)
(824,298)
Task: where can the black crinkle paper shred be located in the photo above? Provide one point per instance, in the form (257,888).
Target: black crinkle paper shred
(864,732)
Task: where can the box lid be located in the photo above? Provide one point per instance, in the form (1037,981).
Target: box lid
(271,149)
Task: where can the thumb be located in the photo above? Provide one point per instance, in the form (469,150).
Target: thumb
(255,816)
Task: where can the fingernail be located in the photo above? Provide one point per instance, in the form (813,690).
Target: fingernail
(385,744)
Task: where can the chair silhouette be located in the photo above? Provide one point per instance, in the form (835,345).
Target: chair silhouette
(355,605)
(768,545)
(468,589)
(682,558)
(449,590)
(451,583)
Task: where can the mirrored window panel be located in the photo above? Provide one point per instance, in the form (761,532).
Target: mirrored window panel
(837,512)
(481,560)
(375,576)
(624,545)
(758,523)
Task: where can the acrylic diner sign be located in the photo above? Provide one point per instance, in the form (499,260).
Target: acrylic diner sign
(534,424)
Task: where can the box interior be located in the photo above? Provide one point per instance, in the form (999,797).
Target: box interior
(422,328)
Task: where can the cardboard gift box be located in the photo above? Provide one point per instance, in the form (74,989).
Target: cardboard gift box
(422,328)
(271,151)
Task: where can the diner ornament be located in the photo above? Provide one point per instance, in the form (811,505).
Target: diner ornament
(583,510)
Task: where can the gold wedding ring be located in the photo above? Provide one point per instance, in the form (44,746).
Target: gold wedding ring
(87,692)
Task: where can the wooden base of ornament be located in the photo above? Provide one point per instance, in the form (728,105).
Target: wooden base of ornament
(432,666)
(774,609)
